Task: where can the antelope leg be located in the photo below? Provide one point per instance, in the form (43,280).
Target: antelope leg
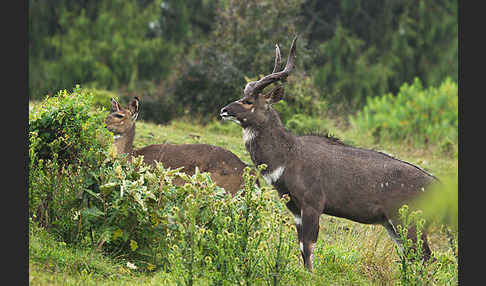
(310,231)
(298,221)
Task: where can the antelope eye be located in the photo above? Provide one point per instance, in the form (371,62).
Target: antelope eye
(117,115)
(247,102)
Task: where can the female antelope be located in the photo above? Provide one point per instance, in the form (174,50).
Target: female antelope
(226,168)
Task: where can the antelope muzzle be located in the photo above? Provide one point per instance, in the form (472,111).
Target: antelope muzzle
(230,111)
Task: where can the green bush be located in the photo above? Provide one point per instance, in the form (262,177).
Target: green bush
(196,232)
(67,141)
(64,125)
(414,115)
(214,73)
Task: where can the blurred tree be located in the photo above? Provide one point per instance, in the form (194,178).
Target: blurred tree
(100,43)
(186,20)
(247,30)
(366,48)
(241,44)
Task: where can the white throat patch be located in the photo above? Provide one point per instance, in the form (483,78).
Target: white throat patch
(273,176)
(298,220)
(248,134)
(117,136)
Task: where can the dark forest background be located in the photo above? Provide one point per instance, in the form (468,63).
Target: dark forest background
(193,56)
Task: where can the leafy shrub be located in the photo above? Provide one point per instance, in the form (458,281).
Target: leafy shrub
(195,231)
(63,125)
(67,140)
(368,48)
(247,32)
(415,114)
(412,268)
(215,75)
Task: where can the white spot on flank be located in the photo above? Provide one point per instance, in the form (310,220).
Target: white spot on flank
(253,109)
(273,176)
(248,134)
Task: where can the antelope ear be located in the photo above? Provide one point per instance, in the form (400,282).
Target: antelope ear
(275,95)
(115,106)
(133,107)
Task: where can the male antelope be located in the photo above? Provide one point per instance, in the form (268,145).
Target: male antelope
(320,174)
(226,168)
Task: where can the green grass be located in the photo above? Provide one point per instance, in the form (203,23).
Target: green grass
(346,253)
(52,262)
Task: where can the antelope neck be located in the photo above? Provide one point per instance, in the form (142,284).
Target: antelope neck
(124,143)
(272,146)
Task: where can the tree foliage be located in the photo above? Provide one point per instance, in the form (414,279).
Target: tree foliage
(195,54)
(106,44)
(241,46)
(367,48)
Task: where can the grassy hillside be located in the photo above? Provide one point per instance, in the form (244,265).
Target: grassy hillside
(346,253)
